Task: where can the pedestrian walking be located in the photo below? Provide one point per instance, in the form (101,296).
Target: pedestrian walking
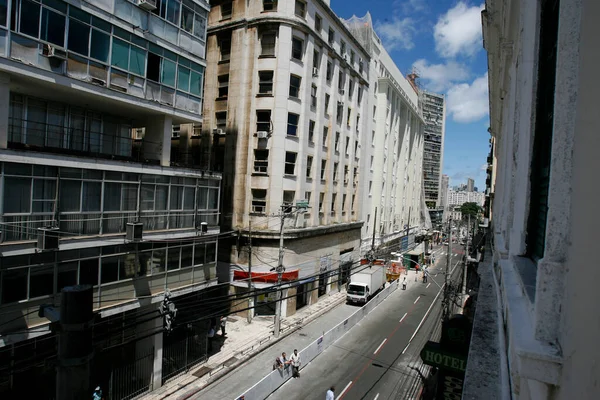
(277,364)
(404,284)
(284,360)
(211,337)
(97,395)
(295,361)
(223,322)
(330,394)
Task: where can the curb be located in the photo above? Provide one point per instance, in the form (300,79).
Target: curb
(226,370)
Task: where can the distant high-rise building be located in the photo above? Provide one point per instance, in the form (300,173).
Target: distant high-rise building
(470,184)
(434,114)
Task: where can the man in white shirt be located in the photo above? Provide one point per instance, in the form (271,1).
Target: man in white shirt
(295,361)
(330,394)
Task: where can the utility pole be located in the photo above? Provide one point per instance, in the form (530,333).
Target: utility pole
(464,288)
(250,298)
(373,241)
(279,270)
(448,260)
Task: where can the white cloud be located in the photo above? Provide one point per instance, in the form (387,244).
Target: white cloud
(440,77)
(397,33)
(409,6)
(459,31)
(468,102)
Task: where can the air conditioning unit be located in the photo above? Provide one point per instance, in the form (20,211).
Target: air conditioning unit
(315,71)
(147,4)
(262,134)
(47,239)
(218,132)
(53,52)
(133,232)
(203,227)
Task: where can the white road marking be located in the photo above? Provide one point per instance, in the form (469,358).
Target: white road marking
(343,391)
(404,316)
(427,287)
(404,351)
(379,348)
(417,300)
(376,396)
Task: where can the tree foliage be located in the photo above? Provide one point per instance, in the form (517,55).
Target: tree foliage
(470,208)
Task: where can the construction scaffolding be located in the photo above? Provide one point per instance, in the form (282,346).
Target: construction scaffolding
(362,30)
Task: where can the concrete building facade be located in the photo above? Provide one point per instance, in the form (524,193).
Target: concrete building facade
(460,197)
(470,184)
(533,306)
(394,151)
(434,114)
(89,94)
(286,97)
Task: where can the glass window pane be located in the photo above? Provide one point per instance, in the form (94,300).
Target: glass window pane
(183,79)
(110,269)
(186,256)
(147,200)
(79,14)
(112,196)
(162,193)
(199,26)
(91,195)
(173,7)
(213,196)
(199,254)
(187,20)
(70,195)
(173,258)
(17,195)
(41,281)
(137,63)
(78,37)
(88,272)
(202,198)
(53,27)
(196,84)
(129,197)
(100,45)
(44,189)
(188,198)
(30,18)
(101,24)
(129,266)
(67,275)
(176,198)
(14,285)
(3,11)
(120,54)
(167,76)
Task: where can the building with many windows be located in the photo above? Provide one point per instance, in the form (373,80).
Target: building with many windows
(394,152)
(90,93)
(434,113)
(286,102)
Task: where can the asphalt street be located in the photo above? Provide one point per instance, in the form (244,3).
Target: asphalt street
(379,358)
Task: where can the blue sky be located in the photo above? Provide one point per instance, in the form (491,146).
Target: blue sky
(441,39)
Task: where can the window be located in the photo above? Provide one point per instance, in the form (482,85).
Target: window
(352,203)
(309,162)
(311,131)
(225,48)
(318,23)
(297,48)
(288,199)
(265,82)
(343,48)
(346,172)
(292,128)
(355,176)
(313,96)
(221,118)
(295,86)
(333,199)
(323,168)
(348,116)
(226,10)
(321,200)
(360,66)
(352,55)
(329,73)
(336,146)
(261,161)
(339,113)
(316,62)
(343,204)
(370,187)
(325,132)
(290,163)
(259,201)
(269,5)
(335,171)
(356,148)
(193,19)
(357,121)
(300,9)
(223,86)
(341,81)
(267,44)
(347,145)
(263,120)
(327,97)
(360,94)
(331,37)
(371,165)
(307,197)
(350,88)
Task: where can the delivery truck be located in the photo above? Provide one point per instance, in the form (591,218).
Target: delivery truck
(365,283)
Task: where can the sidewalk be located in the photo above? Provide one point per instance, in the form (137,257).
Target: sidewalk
(243,341)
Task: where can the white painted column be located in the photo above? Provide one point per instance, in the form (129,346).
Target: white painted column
(157,140)
(4,106)
(158,356)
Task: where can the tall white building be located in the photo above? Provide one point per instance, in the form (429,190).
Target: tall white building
(89,94)
(470,184)
(434,114)
(536,321)
(287,102)
(392,170)
(459,197)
